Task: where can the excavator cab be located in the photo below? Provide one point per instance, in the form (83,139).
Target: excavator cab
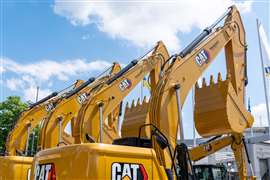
(210,172)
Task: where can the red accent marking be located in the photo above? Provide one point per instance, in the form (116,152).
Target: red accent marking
(52,173)
(208,56)
(144,173)
(130,83)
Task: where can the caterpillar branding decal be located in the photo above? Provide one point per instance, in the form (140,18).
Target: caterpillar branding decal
(202,57)
(81,98)
(45,172)
(128,171)
(49,107)
(207,147)
(125,84)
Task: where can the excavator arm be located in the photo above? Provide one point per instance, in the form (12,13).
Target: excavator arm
(208,148)
(67,111)
(93,114)
(237,143)
(187,67)
(17,140)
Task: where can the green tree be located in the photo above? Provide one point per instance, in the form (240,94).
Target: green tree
(10,110)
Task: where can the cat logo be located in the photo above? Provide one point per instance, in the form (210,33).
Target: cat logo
(128,171)
(82,98)
(49,107)
(202,57)
(125,84)
(208,147)
(45,172)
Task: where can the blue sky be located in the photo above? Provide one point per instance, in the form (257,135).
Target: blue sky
(52,43)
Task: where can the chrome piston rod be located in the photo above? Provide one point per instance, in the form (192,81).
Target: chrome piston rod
(27,140)
(100,106)
(60,130)
(179,109)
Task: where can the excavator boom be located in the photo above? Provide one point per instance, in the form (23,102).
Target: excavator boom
(67,111)
(93,114)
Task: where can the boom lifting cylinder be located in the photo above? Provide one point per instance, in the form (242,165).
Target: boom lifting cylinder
(28,137)
(44,99)
(100,108)
(60,129)
(177,88)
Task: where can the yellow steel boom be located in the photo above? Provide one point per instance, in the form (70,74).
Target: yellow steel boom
(94,112)
(67,111)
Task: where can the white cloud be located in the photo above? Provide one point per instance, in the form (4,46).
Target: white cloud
(14,83)
(26,77)
(46,69)
(146,22)
(1,69)
(260,115)
(244,7)
(28,86)
(86,36)
(30,93)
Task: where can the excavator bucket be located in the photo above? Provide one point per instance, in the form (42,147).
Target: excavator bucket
(218,110)
(135,117)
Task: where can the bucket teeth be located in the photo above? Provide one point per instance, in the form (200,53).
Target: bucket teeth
(133,103)
(203,82)
(127,106)
(212,82)
(219,77)
(138,102)
(197,85)
(144,100)
(134,117)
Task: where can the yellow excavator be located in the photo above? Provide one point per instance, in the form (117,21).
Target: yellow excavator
(122,82)
(17,141)
(54,104)
(93,117)
(15,163)
(162,156)
(219,107)
(67,111)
